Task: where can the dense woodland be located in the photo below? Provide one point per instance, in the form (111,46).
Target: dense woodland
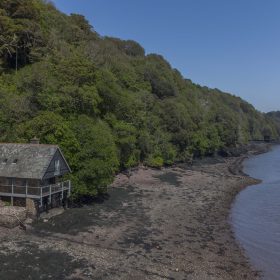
(104,101)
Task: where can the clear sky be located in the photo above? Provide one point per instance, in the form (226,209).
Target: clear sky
(233,45)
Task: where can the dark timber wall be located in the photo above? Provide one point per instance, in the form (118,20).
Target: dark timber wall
(50,173)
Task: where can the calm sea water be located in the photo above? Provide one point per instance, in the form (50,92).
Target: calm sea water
(256,214)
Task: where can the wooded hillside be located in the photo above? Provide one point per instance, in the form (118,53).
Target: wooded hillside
(104,101)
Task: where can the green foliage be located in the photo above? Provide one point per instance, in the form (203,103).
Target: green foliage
(81,23)
(107,104)
(125,138)
(159,73)
(21,40)
(52,129)
(97,158)
(205,142)
(155,161)
(128,47)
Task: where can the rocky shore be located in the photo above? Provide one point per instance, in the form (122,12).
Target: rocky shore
(156,224)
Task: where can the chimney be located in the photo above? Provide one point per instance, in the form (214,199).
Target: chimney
(35,140)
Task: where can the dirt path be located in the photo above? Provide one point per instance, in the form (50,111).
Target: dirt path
(168,224)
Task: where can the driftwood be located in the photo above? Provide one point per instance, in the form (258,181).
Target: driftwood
(21,224)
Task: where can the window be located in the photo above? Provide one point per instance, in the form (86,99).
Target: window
(57,167)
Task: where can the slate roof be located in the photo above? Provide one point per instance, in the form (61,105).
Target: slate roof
(29,161)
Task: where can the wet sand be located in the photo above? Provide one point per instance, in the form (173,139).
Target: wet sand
(156,224)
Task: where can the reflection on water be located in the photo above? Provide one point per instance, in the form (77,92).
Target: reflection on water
(256,214)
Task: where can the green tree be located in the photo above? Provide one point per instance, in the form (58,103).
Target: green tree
(97,160)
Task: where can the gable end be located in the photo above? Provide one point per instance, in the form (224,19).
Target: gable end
(58,166)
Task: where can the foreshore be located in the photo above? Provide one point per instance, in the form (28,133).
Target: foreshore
(157,224)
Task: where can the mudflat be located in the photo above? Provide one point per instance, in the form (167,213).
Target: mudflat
(156,224)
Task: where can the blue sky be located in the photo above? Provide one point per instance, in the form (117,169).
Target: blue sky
(233,45)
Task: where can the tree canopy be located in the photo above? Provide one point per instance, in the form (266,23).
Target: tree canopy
(105,102)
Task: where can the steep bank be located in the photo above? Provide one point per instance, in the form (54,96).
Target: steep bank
(156,224)
(108,104)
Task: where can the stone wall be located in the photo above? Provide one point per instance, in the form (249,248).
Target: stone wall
(11,217)
(31,208)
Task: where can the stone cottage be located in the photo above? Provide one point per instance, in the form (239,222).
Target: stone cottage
(33,174)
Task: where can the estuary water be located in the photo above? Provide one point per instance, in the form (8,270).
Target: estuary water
(256,214)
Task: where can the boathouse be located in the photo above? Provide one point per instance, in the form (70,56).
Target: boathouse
(33,173)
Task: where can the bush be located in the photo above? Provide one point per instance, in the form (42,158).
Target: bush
(155,161)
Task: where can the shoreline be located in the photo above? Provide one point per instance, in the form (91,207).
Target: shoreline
(157,224)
